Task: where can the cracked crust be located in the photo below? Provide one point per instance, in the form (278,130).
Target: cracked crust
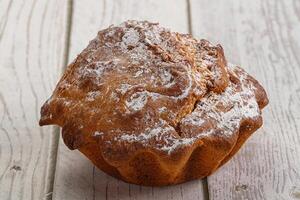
(154,107)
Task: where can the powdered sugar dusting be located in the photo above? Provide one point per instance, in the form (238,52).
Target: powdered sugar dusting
(151,51)
(195,120)
(223,111)
(124,88)
(98,134)
(130,38)
(91,96)
(162,109)
(137,101)
(166,78)
(160,133)
(153,77)
(177,143)
(240,108)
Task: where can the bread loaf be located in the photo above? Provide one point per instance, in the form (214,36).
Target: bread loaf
(154,107)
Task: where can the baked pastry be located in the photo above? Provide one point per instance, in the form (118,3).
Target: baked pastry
(154,107)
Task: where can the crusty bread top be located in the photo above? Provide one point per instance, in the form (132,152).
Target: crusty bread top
(138,85)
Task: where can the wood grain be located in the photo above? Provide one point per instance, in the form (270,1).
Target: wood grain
(76,177)
(32,41)
(264,37)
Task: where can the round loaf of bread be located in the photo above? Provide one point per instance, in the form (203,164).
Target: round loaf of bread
(154,107)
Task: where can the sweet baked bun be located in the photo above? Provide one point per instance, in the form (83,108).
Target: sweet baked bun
(154,107)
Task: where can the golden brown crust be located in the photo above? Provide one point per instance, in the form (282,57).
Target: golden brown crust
(154,107)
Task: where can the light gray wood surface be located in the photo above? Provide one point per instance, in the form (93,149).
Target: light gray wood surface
(76,177)
(32,41)
(38,38)
(264,38)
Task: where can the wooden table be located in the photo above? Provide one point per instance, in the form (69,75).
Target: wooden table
(39,37)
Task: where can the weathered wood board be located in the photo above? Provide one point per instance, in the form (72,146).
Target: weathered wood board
(264,38)
(32,53)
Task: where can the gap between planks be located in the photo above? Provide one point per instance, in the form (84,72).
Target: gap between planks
(190,28)
(56,130)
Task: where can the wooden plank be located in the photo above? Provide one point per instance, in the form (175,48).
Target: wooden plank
(76,178)
(32,43)
(262,36)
